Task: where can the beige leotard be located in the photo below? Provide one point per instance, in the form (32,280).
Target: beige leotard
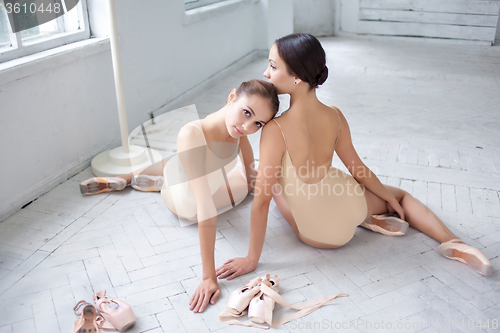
(327,211)
(177,192)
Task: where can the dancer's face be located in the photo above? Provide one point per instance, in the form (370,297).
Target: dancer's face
(277,73)
(247,114)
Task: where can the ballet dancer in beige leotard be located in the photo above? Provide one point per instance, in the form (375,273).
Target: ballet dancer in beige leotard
(305,138)
(248,109)
(203,178)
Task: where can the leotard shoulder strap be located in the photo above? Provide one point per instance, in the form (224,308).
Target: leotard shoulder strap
(283,134)
(338,130)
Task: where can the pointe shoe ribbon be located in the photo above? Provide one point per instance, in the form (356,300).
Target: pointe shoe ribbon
(456,250)
(303,309)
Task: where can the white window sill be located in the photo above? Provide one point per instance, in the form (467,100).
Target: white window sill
(204,12)
(19,68)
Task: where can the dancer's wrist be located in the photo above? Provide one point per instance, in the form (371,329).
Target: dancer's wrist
(212,277)
(252,260)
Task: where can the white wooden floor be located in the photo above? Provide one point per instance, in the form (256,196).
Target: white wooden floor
(424,116)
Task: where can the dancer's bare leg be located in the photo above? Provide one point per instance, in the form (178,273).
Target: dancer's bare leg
(155,169)
(238,187)
(417,214)
(96,185)
(422,218)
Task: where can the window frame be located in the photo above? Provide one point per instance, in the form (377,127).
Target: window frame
(199,3)
(56,40)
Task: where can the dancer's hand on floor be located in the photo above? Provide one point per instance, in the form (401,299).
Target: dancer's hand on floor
(208,290)
(235,267)
(394,206)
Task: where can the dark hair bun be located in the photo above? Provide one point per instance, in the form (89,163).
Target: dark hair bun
(304,57)
(321,78)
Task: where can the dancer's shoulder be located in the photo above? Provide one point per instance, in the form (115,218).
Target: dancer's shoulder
(272,128)
(190,136)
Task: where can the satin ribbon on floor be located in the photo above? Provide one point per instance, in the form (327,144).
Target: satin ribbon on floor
(303,309)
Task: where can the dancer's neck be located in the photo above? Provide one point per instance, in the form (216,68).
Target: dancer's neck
(303,100)
(215,126)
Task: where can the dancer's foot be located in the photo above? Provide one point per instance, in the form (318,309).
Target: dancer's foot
(97,185)
(457,250)
(147,183)
(386,225)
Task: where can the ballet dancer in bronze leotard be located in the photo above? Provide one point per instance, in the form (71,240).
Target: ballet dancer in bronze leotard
(324,205)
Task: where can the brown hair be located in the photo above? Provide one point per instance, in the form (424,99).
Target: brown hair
(304,57)
(261,88)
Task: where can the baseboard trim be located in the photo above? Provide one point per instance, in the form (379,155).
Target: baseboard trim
(417,39)
(40,188)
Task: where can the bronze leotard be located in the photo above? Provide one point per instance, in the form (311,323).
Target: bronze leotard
(327,211)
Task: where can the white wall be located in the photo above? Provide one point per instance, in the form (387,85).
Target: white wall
(276,21)
(422,19)
(497,36)
(315,17)
(348,16)
(62,111)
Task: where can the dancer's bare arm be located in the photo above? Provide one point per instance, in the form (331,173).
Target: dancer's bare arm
(248,162)
(272,149)
(192,154)
(363,175)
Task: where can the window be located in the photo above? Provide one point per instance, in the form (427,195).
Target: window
(66,28)
(190,4)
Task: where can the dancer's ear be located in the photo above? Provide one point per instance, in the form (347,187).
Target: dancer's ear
(297,80)
(232,96)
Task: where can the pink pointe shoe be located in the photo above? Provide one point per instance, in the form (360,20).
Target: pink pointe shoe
(262,302)
(97,185)
(119,314)
(87,321)
(391,225)
(147,183)
(467,254)
(239,299)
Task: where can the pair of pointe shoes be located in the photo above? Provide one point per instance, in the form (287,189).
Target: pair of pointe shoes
(453,249)
(259,296)
(251,296)
(108,314)
(143,183)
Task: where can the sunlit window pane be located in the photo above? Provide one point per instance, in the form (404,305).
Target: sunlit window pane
(71,21)
(39,32)
(68,22)
(5,35)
